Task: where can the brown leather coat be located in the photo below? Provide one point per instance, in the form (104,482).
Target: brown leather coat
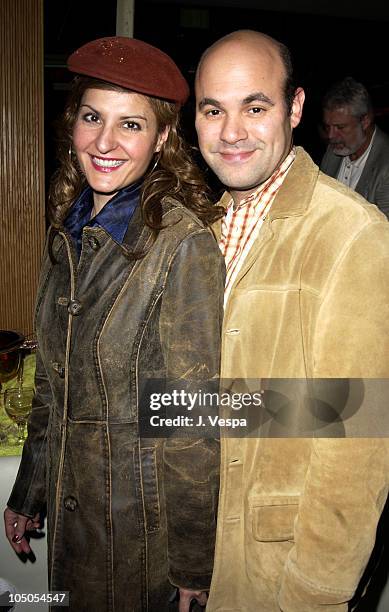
(125,513)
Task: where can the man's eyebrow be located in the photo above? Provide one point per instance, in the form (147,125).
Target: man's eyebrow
(258,96)
(208,102)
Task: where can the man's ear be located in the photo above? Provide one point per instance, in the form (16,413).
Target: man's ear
(162,137)
(297,107)
(366,121)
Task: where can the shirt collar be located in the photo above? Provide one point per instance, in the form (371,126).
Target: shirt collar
(114,217)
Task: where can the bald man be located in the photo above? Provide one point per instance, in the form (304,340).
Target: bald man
(306,300)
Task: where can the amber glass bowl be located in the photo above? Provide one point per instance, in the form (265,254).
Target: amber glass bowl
(10,342)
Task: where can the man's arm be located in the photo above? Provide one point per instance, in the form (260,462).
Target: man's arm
(347,480)
(381,196)
(190,329)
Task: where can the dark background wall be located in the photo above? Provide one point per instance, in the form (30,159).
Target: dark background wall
(328,40)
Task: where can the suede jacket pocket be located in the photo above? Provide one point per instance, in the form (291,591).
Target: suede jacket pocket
(273,518)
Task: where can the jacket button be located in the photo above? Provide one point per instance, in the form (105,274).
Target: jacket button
(93,243)
(70,503)
(75,307)
(57,367)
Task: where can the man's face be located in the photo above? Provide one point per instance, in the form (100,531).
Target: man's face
(242,123)
(346,133)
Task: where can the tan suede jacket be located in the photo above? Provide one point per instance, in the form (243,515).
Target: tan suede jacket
(298,515)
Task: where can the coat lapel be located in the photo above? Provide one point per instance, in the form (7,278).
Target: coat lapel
(331,163)
(292,200)
(366,182)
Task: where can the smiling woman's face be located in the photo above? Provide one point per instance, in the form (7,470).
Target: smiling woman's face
(115,137)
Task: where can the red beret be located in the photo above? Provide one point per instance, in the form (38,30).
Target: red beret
(132,64)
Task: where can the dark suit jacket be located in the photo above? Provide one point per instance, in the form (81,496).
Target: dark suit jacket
(374,182)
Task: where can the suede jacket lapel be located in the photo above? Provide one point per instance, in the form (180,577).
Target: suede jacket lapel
(292,200)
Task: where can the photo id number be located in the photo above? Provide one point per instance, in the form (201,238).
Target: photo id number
(59,598)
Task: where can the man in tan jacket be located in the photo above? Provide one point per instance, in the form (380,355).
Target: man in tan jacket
(307,300)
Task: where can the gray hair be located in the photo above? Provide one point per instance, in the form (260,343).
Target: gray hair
(349,92)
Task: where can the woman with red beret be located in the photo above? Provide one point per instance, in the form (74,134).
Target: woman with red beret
(130,291)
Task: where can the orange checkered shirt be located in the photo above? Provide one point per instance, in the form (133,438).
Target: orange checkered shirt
(242,223)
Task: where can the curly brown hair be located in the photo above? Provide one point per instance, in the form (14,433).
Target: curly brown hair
(173,172)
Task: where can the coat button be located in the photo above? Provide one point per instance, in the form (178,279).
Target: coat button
(93,243)
(75,307)
(57,367)
(70,503)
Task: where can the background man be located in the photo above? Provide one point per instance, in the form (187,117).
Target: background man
(358,151)
(307,296)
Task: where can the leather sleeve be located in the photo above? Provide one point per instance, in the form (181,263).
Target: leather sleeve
(29,491)
(347,481)
(190,328)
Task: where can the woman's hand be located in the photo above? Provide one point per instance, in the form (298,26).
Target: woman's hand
(15,527)
(186,597)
